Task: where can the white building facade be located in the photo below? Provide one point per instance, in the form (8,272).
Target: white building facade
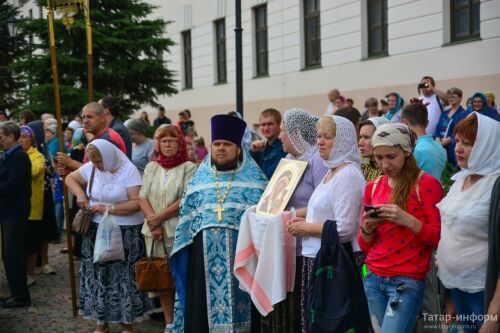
(362,47)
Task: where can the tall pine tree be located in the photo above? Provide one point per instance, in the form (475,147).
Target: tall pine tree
(127,49)
(11,48)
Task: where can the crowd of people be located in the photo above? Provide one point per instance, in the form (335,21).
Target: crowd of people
(428,256)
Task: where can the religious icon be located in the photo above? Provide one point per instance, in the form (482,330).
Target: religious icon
(280,188)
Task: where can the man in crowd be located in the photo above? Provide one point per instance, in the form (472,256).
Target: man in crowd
(222,188)
(111,106)
(352,114)
(94,122)
(430,155)
(162,118)
(268,153)
(435,100)
(15,206)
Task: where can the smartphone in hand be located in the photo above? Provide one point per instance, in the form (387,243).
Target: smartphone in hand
(370,207)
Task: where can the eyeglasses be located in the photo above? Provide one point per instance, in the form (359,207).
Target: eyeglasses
(169,142)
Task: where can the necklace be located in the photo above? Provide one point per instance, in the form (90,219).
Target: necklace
(221,199)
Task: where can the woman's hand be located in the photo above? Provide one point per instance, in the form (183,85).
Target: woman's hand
(82,201)
(298,227)
(371,223)
(399,216)
(99,209)
(157,233)
(153,221)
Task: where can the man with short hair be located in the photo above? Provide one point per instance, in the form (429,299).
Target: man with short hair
(227,183)
(430,155)
(268,152)
(434,99)
(15,206)
(111,107)
(162,118)
(94,122)
(352,114)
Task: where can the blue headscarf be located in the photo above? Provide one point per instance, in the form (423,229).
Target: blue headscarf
(483,98)
(399,104)
(76,139)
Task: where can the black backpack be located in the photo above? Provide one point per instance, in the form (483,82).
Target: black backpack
(337,300)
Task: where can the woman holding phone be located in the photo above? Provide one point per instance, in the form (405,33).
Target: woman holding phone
(399,232)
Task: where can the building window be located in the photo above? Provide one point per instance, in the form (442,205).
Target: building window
(464,19)
(220,45)
(377,27)
(312,36)
(260,14)
(186,54)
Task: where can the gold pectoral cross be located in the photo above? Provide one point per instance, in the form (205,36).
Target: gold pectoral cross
(219,211)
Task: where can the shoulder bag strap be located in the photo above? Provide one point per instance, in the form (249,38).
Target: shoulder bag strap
(91,182)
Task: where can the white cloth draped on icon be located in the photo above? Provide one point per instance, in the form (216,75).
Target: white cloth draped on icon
(265,258)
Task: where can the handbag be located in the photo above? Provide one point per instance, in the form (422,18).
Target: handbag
(153,273)
(83,218)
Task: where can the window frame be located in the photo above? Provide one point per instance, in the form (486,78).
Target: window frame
(383,27)
(263,51)
(220,51)
(187,58)
(471,35)
(312,17)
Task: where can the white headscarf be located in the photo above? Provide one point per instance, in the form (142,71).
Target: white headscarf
(300,127)
(484,158)
(112,158)
(345,147)
(377,121)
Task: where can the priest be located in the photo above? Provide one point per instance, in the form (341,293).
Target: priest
(227,182)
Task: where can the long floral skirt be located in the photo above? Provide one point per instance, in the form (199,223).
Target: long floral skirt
(108,291)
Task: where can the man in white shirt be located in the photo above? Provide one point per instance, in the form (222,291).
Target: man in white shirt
(435,100)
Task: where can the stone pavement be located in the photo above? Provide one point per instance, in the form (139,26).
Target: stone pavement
(51,310)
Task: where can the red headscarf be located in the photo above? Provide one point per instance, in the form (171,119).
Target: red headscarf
(179,158)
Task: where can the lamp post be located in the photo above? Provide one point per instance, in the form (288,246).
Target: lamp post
(11,27)
(239,59)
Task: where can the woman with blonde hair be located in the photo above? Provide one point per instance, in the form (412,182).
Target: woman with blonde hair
(108,291)
(400,229)
(337,198)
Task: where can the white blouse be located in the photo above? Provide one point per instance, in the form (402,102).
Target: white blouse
(111,188)
(341,200)
(462,252)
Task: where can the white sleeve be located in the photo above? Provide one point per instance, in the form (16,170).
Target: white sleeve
(347,198)
(132,176)
(86,170)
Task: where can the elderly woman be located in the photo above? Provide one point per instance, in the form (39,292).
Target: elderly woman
(143,145)
(165,179)
(337,197)
(400,229)
(34,227)
(108,291)
(367,128)
(463,250)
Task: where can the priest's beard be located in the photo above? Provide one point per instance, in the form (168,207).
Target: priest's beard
(229,165)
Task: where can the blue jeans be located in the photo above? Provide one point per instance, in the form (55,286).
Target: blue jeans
(466,305)
(394,302)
